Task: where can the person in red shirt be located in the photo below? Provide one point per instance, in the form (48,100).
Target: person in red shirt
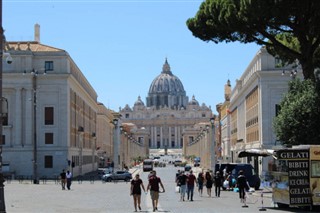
(191,181)
(153,186)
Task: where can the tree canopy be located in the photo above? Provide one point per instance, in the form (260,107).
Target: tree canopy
(290,29)
(298,121)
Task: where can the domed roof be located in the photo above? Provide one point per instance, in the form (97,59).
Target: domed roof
(139,102)
(166,82)
(193,101)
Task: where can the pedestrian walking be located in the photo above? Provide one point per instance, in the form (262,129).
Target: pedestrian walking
(200,181)
(182,182)
(191,181)
(218,180)
(230,181)
(135,191)
(150,174)
(63,179)
(209,182)
(112,166)
(242,186)
(153,186)
(69,179)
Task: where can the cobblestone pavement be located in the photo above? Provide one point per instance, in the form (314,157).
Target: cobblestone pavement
(112,197)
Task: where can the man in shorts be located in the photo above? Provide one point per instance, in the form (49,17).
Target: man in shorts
(153,186)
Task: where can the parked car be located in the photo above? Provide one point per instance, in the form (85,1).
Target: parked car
(177,163)
(196,161)
(118,175)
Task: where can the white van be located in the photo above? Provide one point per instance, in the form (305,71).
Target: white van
(147,165)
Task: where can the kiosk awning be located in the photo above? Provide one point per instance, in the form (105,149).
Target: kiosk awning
(256,152)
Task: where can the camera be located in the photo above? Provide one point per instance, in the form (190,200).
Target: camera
(9,59)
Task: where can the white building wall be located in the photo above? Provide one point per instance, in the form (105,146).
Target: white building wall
(263,74)
(52,91)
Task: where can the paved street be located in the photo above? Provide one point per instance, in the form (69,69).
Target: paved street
(114,197)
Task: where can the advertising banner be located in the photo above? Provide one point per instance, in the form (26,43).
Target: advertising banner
(299,175)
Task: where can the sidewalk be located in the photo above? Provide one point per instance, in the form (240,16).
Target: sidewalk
(135,170)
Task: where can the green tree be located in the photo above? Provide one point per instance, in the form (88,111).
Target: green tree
(290,29)
(298,121)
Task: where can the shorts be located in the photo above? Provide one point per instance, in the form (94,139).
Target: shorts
(154,195)
(183,189)
(200,186)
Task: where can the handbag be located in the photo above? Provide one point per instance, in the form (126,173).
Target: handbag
(177,189)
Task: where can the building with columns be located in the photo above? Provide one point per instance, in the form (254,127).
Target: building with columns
(254,102)
(51,122)
(223,132)
(105,132)
(167,112)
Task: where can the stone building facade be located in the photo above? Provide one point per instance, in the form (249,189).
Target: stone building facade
(52,112)
(253,105)
(167,113)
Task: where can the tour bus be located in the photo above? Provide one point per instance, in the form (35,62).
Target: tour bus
(297,176)
(147,165)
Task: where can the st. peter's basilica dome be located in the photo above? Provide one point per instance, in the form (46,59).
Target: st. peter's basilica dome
(166,90)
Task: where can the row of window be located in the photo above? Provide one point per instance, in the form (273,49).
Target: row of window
(48,120)
(48,117)
(48,161)
(48,138)
(252,122)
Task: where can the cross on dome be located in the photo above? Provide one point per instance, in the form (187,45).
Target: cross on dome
(166,68)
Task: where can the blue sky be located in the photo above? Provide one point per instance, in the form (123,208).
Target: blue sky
(120,46)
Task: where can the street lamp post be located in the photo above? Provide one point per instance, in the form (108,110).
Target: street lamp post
(35,147)
(34,74)
(9,61)
(81,132)
(115,144)
(213,145)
